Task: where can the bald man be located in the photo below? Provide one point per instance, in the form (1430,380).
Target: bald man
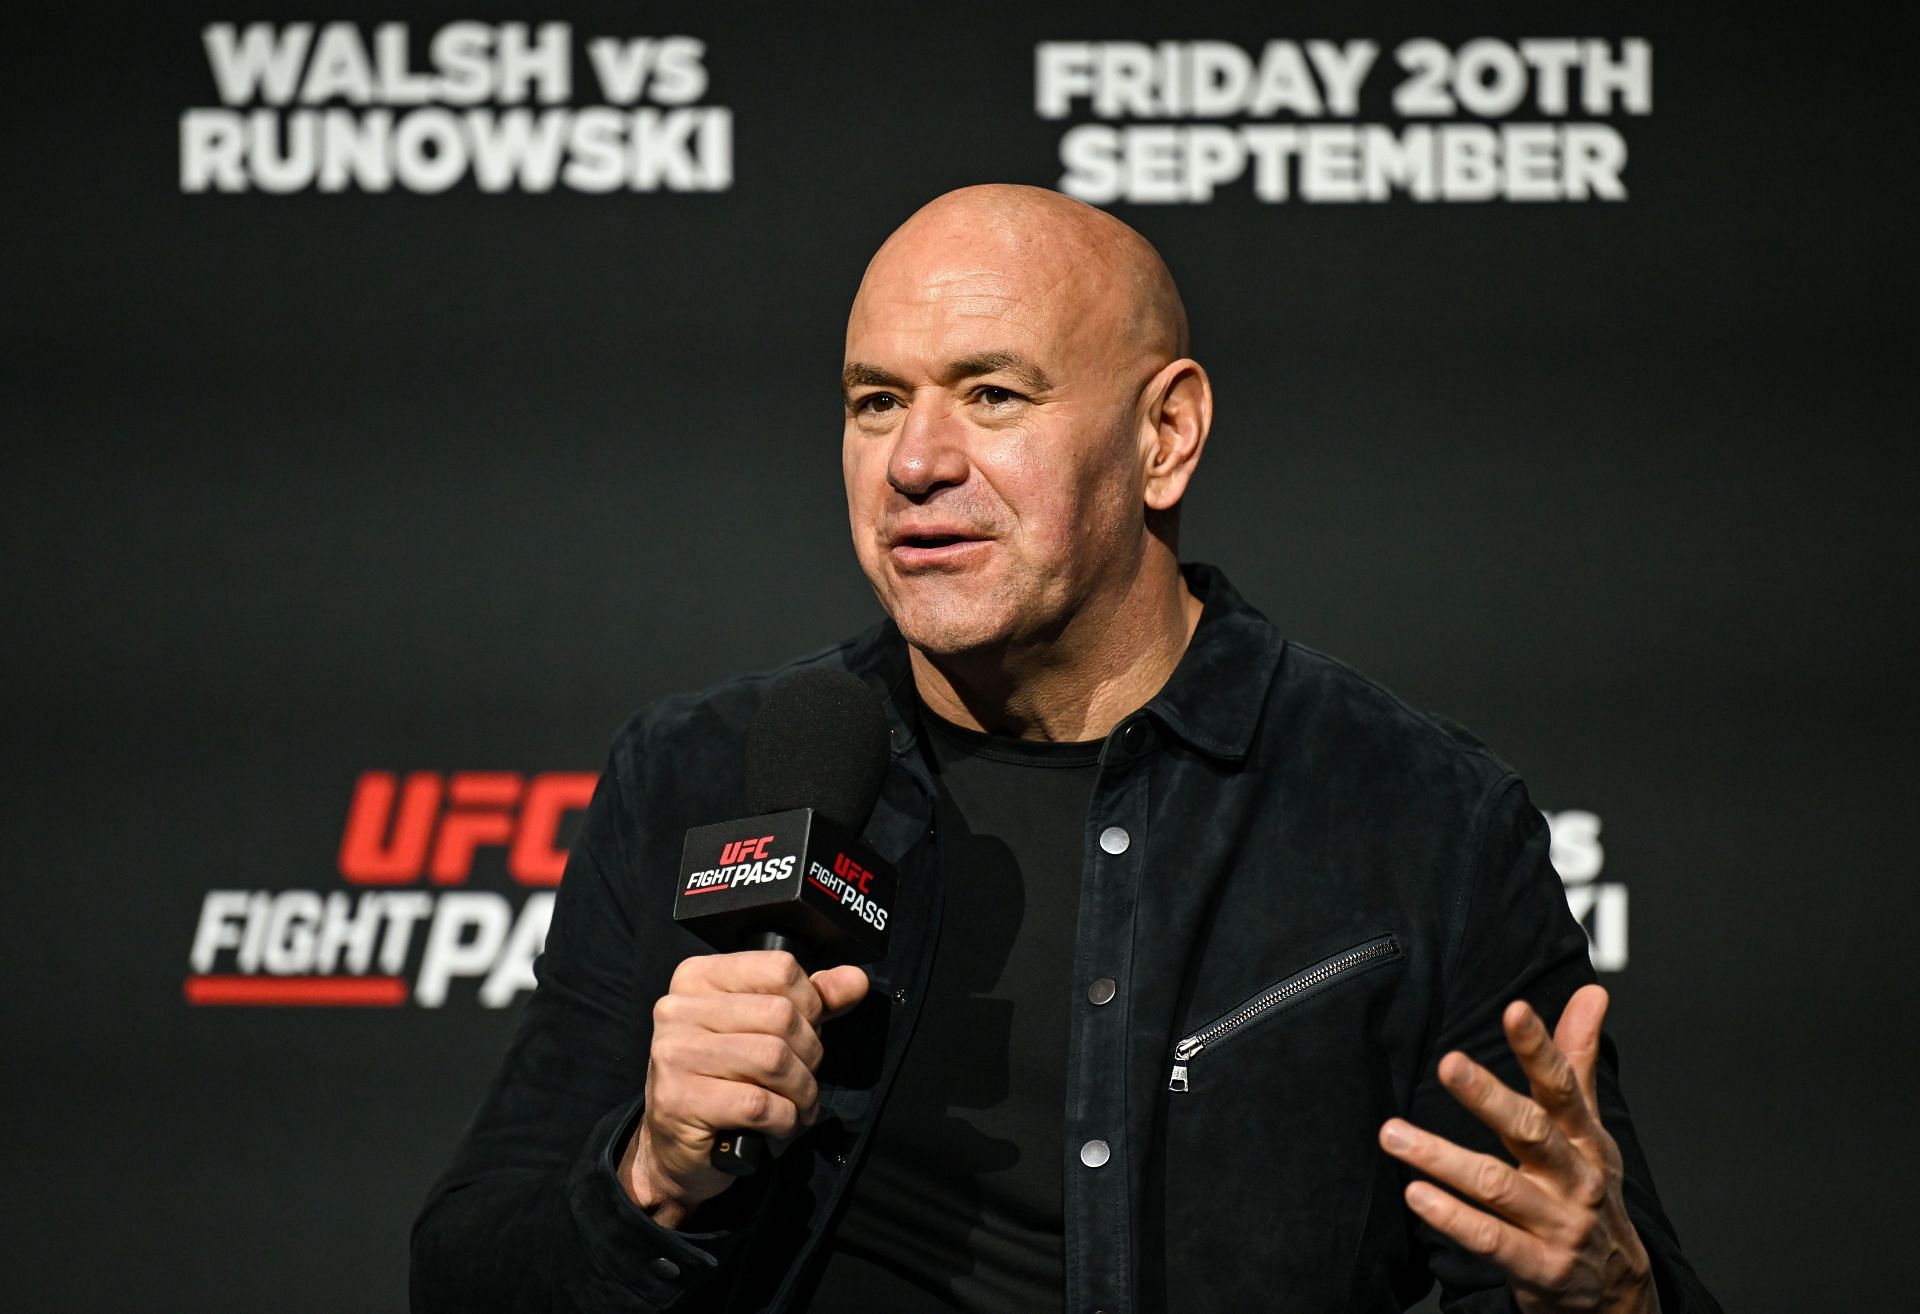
(1219,978)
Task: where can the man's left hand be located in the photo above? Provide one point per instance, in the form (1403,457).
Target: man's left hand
(1562,1232)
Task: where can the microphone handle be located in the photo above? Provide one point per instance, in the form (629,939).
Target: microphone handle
(740,1153)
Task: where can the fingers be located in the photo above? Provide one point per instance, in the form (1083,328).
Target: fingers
(666,1168)
(749,1020)
(1578,1035)
(755,1108)
(772,1016)
(1523,1256)
(1523,1125)
(1562,1076)
(1481,1177)
(1554,1221)
(754,971)
(716,1082)
(1555,1084)
(735,1042)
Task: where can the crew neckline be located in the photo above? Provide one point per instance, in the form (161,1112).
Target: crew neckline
(1002,748)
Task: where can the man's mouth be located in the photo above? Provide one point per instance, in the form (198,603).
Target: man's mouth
(933,548)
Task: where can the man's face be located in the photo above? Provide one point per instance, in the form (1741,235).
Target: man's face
(991,445)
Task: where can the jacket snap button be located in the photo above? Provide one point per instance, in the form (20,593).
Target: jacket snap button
(1101,991)
(1095,1153)
(899,996)
(1115,840)
(1134,737)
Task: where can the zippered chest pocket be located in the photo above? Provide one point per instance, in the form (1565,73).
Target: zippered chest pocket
(1301,985)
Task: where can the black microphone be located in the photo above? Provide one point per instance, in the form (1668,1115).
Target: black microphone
(796,875)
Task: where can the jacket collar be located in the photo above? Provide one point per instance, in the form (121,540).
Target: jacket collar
(1215,695)
(1212,700)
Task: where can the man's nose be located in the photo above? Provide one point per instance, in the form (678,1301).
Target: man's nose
(928,451)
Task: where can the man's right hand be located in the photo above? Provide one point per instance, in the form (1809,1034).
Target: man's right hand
(736,1039)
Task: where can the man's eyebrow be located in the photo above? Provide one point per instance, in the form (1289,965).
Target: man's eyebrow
(859,374)
(1030,376)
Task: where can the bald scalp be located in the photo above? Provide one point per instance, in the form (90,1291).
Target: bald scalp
(1116,273)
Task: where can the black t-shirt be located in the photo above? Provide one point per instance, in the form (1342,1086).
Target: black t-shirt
(958,1205)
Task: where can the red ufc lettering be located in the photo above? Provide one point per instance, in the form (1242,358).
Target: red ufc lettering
(853,871)
(479,812)
(367,855)
(742,850)
(385,844)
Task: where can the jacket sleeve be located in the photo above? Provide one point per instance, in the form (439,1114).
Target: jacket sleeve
(1514,938)
(530,1215)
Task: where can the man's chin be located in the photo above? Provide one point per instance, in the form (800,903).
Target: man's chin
(950,637)
(941,629)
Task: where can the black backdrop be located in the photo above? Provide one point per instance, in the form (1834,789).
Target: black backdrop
(303,486)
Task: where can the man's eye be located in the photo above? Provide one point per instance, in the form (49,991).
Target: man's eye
(997,396)
(875,403)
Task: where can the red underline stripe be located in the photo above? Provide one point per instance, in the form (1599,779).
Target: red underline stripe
(347,991)
(709,889)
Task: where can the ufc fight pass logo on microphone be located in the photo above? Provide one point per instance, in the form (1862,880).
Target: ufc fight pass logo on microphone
(796,872)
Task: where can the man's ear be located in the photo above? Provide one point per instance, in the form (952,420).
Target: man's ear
(1179,413)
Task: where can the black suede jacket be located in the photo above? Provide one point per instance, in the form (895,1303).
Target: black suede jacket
(1306,892)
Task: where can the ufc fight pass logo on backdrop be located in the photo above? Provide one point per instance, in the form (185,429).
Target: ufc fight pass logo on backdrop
(405,922)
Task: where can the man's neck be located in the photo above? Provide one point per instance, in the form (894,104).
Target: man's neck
(1072,689)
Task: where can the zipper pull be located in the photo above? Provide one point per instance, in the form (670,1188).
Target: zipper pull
(1182,1052)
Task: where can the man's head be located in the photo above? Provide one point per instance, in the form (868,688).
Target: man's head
(1021,419)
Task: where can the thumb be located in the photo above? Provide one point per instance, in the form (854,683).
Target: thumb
(840,989)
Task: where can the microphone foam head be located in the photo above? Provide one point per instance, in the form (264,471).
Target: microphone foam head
(820,741)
